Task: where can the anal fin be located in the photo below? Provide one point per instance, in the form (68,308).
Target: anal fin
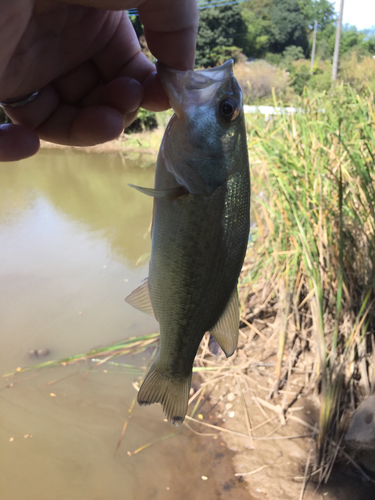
(226,329)
(140,299)
(172,393)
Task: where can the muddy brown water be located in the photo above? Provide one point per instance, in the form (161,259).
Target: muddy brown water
(71,233)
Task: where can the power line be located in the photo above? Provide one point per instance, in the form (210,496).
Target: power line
(211,6)
(202,5)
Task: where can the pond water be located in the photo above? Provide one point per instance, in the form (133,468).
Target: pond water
(74,242)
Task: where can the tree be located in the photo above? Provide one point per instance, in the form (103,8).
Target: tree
(289,26)
(219,27)
(322,11)
(256,17)
(351,37)
(370,40)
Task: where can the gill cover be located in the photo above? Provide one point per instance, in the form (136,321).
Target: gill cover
(199,139)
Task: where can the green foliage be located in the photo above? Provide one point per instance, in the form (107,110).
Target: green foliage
(274,59)
(322,11)
(3,116)
(256,16)
(362,41)
(273,25)
(321,80)
(292,53)
(351,38)
(137,25)
(146,120)
(325,42)
(289,26)
(301,79)
(218,27)
(221,54)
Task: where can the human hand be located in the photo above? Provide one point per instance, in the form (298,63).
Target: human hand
(86,62)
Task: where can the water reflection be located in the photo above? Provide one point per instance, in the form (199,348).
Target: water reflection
(70,233)
(91,189)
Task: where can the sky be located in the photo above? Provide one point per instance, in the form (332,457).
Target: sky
(361,13)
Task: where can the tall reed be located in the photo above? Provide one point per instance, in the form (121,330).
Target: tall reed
(314,199)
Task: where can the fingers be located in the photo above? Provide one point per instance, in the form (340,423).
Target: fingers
(124,94)
(17,142)
(121,52)
(111,63)
(111,78)
(75,85)
(82,127)
(57,121)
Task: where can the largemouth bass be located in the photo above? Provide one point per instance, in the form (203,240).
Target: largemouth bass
(200,229)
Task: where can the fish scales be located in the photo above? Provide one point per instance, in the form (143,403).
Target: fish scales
(185,302)
(200,233)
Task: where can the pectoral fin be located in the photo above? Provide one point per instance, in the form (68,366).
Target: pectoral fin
(160,193)
(141,300)
(226,329)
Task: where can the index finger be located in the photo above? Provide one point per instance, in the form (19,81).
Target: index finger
(170,26)
(171,31)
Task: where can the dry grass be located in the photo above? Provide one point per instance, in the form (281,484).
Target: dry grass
(258,79)
(359,72)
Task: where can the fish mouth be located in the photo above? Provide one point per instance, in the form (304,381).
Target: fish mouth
(184,87)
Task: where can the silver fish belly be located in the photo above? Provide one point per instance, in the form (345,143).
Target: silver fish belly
(200,230)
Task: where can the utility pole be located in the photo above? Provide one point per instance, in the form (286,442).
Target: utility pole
(337,44)
(313,49)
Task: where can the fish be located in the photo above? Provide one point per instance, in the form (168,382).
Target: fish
(200,229)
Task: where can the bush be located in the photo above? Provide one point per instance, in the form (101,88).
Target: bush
(301,80)
(274,59)
(222,54)
(320,80)
(293,53)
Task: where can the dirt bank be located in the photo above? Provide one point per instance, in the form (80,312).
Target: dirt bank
(272,426)
(138,143)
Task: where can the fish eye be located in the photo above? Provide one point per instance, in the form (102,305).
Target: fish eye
(228,109)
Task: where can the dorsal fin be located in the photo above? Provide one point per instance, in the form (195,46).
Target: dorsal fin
(226,329)
(140,299)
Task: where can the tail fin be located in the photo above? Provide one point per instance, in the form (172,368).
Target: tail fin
(173,394)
